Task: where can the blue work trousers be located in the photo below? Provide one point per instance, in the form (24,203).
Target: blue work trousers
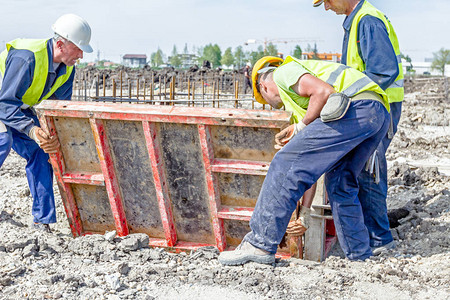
(38,169)
(373,196)
(340,149)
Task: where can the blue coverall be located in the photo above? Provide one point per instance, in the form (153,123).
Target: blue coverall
(340,149)
(381,63)
(19,119)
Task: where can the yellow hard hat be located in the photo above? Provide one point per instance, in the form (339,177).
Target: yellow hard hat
(266,61)
(317,2)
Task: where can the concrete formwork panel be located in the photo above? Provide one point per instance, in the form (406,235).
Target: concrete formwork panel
(188,177)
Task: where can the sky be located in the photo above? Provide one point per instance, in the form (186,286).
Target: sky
(122,27)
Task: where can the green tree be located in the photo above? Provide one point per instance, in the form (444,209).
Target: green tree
(213,54)
(298,52)
(239,57)
(227,58)
(440,59)
(255,55)
(175,59)
(315,52)
(185,51)
(409,68)
(309,48)
(157,58)
(271,49)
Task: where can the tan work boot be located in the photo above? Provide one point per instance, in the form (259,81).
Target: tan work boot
(383,249)
(244,253)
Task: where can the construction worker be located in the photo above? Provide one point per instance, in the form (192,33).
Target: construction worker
(354,116)
(33,70)
(247,76)
(371,46)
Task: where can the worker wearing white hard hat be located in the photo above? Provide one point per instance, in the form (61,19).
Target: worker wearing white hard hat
(33,70)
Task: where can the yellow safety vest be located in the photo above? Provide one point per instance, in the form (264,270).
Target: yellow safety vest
(395,91)
(344,79)
(39,47)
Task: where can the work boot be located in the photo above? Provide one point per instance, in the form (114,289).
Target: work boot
(41,227)
(383,249)
(244,253)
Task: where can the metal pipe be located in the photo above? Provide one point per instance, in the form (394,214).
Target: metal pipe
(160,87)
(121,94)
(129,88)
(97,88)
(193,93)
(114,88)
(144,87)
(137,88)
(104,85)
(214,92)
(189,88)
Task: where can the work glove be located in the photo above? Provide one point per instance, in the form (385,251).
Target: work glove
(298,227)
(45,141)
(287,134)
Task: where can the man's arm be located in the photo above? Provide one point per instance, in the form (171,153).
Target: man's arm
(377,52)
(317,91)
(16,80)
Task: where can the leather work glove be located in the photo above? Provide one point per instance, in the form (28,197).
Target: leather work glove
(298,227)
(287,134)
(49,144)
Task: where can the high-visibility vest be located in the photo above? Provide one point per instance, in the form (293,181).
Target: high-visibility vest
(344,79)
(395,91)
(33,94)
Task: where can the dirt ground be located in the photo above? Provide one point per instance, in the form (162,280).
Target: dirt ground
(35,265)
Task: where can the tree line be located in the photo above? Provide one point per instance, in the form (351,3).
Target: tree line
(212,53)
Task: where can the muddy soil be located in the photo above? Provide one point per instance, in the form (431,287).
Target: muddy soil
(36,265)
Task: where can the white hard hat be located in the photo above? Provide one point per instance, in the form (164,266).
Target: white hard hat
(74,29)
(249,64)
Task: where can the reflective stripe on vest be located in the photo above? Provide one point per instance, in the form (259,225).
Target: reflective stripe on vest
(343,79)
(395,93)
(33,94)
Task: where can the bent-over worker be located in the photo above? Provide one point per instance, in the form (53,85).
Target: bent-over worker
(340,116)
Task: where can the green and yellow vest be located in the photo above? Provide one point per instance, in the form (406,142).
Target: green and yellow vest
(395,91)
(344,80)
(39,47)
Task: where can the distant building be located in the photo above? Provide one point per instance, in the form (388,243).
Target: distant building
(334,57)
(108,64)
(424,68)
(187,60)
(134,60)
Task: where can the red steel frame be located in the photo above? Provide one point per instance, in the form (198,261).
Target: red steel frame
(149,115)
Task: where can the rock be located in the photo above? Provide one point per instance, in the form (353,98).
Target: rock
(123,268)
(113,281)
(5,280)
(110,235)
(20,244)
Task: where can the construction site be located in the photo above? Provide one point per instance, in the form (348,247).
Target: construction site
(291,150)
(160,177)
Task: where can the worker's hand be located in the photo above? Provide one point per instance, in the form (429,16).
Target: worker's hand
(49,144)
(298,227)
(287,134)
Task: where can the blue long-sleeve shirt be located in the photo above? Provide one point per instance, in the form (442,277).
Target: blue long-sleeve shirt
(375,48)
(18,76)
